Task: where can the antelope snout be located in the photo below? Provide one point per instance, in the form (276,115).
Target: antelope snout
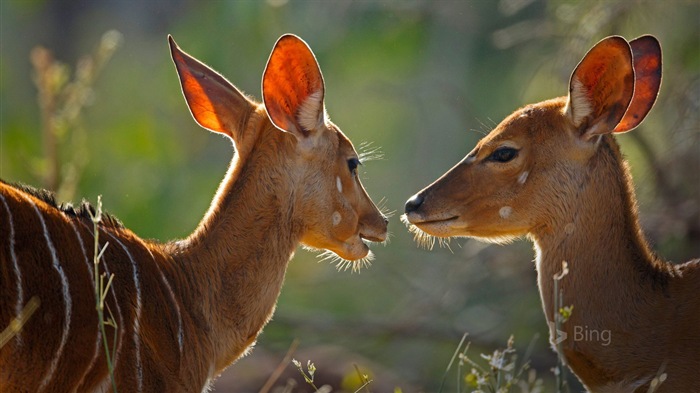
(413,203)
(377,231)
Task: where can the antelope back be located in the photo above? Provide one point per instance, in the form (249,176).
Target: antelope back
(47,253)
(526,172)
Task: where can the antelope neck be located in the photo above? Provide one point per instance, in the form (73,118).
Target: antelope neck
(610,265)
(233,265)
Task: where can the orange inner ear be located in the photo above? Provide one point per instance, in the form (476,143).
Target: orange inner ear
(291,75)
(214,102)
(200,105)
(607,76)
(646,52)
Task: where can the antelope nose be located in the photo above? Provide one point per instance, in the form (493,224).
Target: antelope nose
(414,203)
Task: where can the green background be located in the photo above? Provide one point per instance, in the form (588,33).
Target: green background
(423,80)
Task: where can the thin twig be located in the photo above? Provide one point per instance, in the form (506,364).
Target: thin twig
(454,356)
(365,381)
(280,368)
(560,370)
(18,322)
(101,292)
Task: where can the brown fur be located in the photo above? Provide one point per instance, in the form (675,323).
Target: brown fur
(577,204)
(185,310)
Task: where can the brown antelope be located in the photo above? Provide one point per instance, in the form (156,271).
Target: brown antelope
(553,172)
(187,309)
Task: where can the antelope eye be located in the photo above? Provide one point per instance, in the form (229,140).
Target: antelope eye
(503,154)
(352,165)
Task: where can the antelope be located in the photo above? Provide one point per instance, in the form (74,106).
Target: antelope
(187,309)
(553,172)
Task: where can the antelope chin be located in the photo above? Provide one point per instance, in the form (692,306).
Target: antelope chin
(354,255)
(353,249)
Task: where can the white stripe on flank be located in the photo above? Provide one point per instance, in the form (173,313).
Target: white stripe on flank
(120,326)
(180,335)
(91,280)
(15,265)
(137,342)
(66,298)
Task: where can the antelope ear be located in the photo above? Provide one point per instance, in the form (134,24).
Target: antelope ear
(293,88)
(646,54)
(601,87)
(213,101)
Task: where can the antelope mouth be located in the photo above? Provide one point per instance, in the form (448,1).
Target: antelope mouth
(433,222)
(414,219)
(357,247)
(372,238)
(353,254)
(440,227)
(428,232)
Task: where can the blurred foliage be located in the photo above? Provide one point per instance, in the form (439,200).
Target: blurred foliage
(423,80)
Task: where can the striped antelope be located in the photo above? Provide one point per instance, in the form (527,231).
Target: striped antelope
(187,309)
(553,172)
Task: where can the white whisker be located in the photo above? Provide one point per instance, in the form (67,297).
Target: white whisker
(368,152)
(342,264)
(423,239)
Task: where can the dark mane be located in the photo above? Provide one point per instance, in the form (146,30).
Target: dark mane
(83,211)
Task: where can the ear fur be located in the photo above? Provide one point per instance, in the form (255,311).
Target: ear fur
(293,87)
(213,101)
(646,53)
(601,87)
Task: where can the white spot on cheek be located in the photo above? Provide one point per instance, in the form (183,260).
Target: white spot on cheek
(523,177)
(569,228)
(505,211)
(336,218)
(339,184)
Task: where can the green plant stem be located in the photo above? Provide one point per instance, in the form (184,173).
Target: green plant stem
(101,291)
(560,375)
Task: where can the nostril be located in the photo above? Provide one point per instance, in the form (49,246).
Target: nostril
(386,220)
(414,203)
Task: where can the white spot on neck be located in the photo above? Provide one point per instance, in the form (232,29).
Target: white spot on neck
(311,113)
(336,218)
(523,177)
(505,212)
(339,184)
